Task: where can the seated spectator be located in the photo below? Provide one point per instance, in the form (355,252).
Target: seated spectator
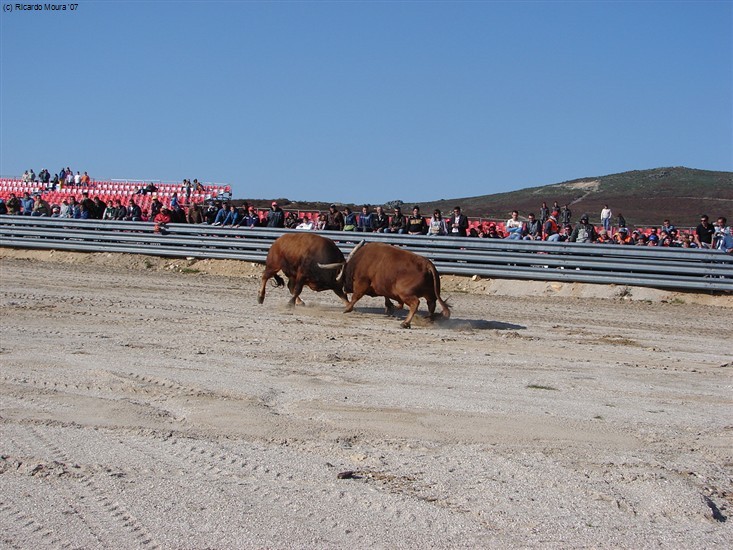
(334,219)
(250,218)
(291,222)
(704,232)
(349,220)
(26,204)
(3,207)
(397,224)
(639,238)
(491,232)
(174,201)
(307,223)
(551,230)
(457,224)
(436,225)
(194,213)
(161,220)
(724,236)
(41,208)
(221,214)
(134,213)
(321,223)
(55,211)
(622,236)
(109,211)
(232,217)
(514,226)
(532,230)
(653,237)
(416,224)
(584,232)
(365,224)
(381,221)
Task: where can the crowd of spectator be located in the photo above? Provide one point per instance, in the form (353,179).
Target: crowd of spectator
(552,225)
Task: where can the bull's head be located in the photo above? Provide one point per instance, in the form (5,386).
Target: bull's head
(342,265)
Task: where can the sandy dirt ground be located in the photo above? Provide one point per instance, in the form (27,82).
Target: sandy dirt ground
(152,403)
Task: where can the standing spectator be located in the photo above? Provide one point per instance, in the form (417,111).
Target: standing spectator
(704,232)
(85,180)
(55,183)
(532,230)
(565,215)
(13,205)
(381,220)
(77,178)
(349,220)
(334,219)
(366,220)
(32,176)
(276,216)
(606,219)
(584,232)
(458,223)
(26,204)
(174,201)
(416,224)
(437,225)
(544,213)
(621,220)
(514,226)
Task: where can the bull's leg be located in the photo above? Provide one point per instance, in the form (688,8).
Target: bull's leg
(431,309)
(295,289)
(388,307)
(355,297)
(341,294)
(413,304)
(266,276)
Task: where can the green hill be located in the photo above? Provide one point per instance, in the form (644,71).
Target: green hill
(645,197)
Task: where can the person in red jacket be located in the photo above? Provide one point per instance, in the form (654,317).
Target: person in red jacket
(162,219)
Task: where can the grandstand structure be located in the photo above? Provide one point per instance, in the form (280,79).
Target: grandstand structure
(112,190)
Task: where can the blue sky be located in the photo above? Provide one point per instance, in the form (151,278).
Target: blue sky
(367,102)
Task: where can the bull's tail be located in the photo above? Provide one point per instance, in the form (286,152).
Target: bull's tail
(436,289)
(278,280)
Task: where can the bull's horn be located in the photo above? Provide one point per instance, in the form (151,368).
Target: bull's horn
(332,266)
(357,247)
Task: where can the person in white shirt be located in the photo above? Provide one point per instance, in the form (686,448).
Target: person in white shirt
(606,218)
(306,224)
(77,179)
(514,226)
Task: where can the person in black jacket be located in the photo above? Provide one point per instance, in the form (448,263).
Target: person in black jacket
(276,216)
(457,223)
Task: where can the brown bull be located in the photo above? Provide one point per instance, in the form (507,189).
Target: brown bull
(378,269)
(298,256)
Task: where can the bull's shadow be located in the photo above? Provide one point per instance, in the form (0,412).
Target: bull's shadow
(454,323)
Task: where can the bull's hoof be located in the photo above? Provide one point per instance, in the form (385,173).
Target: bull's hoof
(260,299)
(405,325)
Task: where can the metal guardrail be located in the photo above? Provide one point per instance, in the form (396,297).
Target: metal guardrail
(672,268)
